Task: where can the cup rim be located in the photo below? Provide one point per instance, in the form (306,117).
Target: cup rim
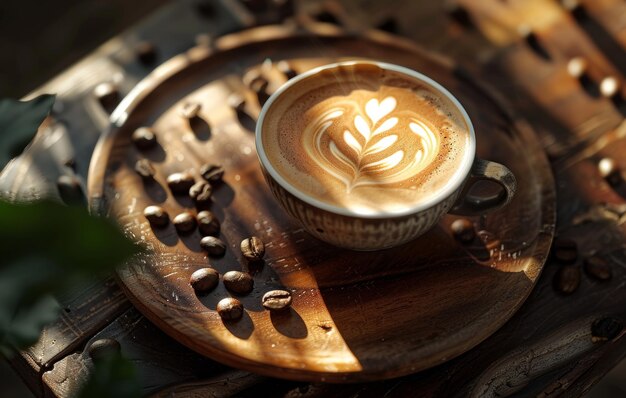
(455,182)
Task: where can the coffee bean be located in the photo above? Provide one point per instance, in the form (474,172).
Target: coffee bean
(190,110)
(146,53)
(238,282)
(201,192)
(212,173)
(204,280)
(230,309)
(610,87)
(259,86)
(565,250)
(103,348)
(143,138)
(71,190)
(567,279)
(286,69)
(180,182)
(610,171)
(208,224)
(252,248)
(108,95)
(156,216)
(144,168)
(604,329)
(463,230)
(185,222)
(276,300)
(237,102)
(213,246)
(598,268)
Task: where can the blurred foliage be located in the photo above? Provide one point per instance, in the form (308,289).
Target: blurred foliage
(47,249)
(113,376)
(19,121)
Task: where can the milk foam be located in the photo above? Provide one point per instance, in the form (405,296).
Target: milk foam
(365,138)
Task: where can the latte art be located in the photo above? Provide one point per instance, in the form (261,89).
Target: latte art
(370,137)
(365,139)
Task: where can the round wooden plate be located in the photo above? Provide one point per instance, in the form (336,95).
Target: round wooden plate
(355,316)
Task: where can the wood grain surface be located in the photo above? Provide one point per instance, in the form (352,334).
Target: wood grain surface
(432,299)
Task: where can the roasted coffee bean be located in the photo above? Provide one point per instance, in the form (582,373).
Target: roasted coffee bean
(190,110)
(143,138)
(286,69)
(567,279)
(230,309)
(201,192)
(208,224)
(259,86)
(103,348)
(276,300)
(185,222)
(212,173)
(238,282)
(71,190)
(180,182)
(463,230)
(156,216)
(252,248)
(565,251)
(610,171)
(610,87)
(144,168)
(108,95)
(213,246)
(204,280)
(604,329)
(146,53)
(598,268)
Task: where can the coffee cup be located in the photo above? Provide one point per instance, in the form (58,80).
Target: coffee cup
(370,155)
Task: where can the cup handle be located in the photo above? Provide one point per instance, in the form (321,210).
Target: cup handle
(490,171)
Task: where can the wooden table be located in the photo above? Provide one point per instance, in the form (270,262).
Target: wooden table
(569,332)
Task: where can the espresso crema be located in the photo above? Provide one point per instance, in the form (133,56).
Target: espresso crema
(364,138)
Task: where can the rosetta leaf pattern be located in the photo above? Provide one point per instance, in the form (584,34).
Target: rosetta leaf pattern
(370,158)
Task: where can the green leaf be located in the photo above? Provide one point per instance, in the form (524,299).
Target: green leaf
(47,249)
(112,376)
(19,121)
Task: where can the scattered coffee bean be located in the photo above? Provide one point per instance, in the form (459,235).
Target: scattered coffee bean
(237,102)
(185,222)
(577,67)
(103,348)
(598,268)
(567,279)
(212,173)
(238,282)
(143,138)
(204,280)
(604,329)
(276,300)
(609,87)
(108,95)
(213,246)
(146,53)
(156,216)
(286,69)
(565,251)
(609,171)
(463,230)
(459,13)
(144,168)
(201,192)
(71,191)
(208,224)
(259,86)
(180,182)
(230,309)
(190,110)
(252,248)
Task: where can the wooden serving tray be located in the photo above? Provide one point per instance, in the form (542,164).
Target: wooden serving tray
(355,316)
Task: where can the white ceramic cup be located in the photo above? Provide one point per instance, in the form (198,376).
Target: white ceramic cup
(344,228)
